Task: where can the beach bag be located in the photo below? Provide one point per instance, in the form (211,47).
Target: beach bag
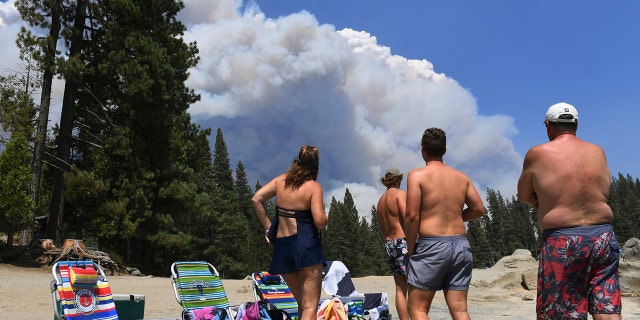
(332,309)
(206,313)
(263,310)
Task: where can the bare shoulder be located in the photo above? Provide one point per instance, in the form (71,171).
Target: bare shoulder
(416,172)
(395,192)
(312,184)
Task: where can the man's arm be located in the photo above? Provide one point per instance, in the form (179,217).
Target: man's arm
(526,193)
(475,207)
(412,216)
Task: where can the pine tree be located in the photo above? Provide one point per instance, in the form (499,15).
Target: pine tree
(133,130)
(45,15)
(624,200)
(257,250)
(335,237)
(230,229)
(483,255)
(15,204)
(523,225)
(373,255)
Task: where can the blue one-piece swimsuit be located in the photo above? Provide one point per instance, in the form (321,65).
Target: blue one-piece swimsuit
(294,252)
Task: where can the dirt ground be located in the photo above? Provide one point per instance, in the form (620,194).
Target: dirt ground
(495,293)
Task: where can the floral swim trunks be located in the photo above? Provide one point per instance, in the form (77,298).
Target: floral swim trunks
(396,251)
(578,273)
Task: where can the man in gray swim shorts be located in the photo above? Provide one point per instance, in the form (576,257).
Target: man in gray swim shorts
(441,263)
(441,258)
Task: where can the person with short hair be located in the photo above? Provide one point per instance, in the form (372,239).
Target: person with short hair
(567,181)
(294,234)
(390,212)
(439,253)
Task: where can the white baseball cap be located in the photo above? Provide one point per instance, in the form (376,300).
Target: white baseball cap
(567,111)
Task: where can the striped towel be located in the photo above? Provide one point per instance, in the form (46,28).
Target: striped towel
(273,288)
(82,301)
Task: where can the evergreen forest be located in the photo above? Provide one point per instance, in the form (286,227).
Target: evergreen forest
(127,171)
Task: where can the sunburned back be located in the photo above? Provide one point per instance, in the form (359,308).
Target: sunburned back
(444,191)
(390,215)
(571,179)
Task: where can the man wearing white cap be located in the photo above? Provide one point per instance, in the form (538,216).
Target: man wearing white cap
(567,180)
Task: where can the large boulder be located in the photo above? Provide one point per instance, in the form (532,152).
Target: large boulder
(518,270)
(631,249)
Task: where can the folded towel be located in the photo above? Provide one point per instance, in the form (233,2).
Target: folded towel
(83,277)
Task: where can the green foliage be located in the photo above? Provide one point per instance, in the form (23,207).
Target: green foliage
(352,240)
(483,254)
(16,206)
(86,207)
(508,226)
(16,106)
(624,200)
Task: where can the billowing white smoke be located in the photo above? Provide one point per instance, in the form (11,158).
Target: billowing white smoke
(273,85)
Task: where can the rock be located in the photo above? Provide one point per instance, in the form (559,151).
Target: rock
(521,258)
(631,249)
(530,280)
(135,272)
(522,252)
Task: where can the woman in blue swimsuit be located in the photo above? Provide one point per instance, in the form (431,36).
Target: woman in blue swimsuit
(297,253)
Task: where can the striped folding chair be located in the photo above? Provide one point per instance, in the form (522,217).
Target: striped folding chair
(80,290)
(198,289)
(273,288)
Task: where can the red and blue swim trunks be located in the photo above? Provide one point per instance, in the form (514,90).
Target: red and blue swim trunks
(578,273)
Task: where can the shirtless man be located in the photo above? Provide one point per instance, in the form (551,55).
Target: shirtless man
(391,208)
(441,258)
(567,180)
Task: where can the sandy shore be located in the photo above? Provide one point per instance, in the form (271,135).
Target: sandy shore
(24,294)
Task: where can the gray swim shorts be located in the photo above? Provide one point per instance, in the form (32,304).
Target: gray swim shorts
(441,263)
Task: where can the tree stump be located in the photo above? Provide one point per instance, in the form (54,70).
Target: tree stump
(73,249)
(76,250)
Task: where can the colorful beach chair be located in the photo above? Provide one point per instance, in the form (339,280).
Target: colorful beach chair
(199,290)
(273,288)
(80,291)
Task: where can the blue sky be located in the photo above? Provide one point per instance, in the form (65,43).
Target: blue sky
(362,80)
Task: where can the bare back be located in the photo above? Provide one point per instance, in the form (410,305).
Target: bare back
(307,197)
(439,193)
(571,179)
(391,208)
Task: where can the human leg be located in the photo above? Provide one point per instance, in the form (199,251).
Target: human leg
(311,280)
(457,304)
(604,285)
(419,302)
(396,253)
(401,296)
(295,285)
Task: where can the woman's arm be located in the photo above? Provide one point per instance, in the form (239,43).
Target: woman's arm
(317,207)
(265,193)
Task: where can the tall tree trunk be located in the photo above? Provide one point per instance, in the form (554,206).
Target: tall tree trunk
(43,112)
(56,211)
